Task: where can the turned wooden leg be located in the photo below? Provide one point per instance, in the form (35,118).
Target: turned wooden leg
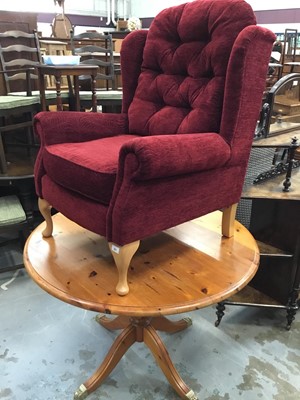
(228,219)
(122,256)
(159,351)
(45,210)
(116,352)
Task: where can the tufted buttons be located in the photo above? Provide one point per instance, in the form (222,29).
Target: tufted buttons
(184,67)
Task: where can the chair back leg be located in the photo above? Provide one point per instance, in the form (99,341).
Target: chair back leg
(228,219)
(3,164)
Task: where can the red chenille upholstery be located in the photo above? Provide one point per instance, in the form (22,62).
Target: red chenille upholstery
(192,89)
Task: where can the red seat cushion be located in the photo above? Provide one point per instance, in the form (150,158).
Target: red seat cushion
(89,168)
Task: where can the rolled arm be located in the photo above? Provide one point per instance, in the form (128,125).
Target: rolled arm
(171,155)
(63,127)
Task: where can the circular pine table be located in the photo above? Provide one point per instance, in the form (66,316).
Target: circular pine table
(182,269)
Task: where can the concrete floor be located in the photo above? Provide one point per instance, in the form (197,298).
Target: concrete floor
(48,348)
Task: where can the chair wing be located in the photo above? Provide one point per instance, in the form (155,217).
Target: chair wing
(192,90)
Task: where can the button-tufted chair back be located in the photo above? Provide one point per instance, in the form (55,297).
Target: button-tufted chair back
(185,58)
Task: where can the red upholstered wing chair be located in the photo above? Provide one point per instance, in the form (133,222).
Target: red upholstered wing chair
(192,89)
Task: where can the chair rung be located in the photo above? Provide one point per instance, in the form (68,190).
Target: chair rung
(13,127)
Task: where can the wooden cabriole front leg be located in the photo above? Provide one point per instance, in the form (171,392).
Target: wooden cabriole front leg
(228,219)
(45,210)
(122,256)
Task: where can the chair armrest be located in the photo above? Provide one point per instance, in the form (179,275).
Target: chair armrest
(171,155)
(72,126)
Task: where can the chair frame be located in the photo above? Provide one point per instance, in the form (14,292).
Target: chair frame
(20,68)
(20,108)
(93,48)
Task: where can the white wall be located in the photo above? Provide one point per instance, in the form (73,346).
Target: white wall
(47,6)
(258,5)
(140,8)
(78,7)
(144,9)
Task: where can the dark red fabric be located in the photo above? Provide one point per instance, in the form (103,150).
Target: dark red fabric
(86,166)
(131,60)
(181,87)
(142,208)
(73,127)
(85,212)
(192,89)
(185,154)
(54,128)
(245,83)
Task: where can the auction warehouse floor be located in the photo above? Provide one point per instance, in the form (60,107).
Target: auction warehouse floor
(48,348)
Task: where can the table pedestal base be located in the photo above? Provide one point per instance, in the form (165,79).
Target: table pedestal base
(139,329)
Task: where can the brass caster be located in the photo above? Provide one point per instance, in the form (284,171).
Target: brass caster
(98,318)
(188,321)
(81,393)
(191,395)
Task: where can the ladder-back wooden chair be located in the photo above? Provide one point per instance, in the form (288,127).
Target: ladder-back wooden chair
(19,55)
(98,49)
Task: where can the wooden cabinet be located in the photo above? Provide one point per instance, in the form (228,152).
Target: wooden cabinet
(274,221)
(10,20)
(275,224)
